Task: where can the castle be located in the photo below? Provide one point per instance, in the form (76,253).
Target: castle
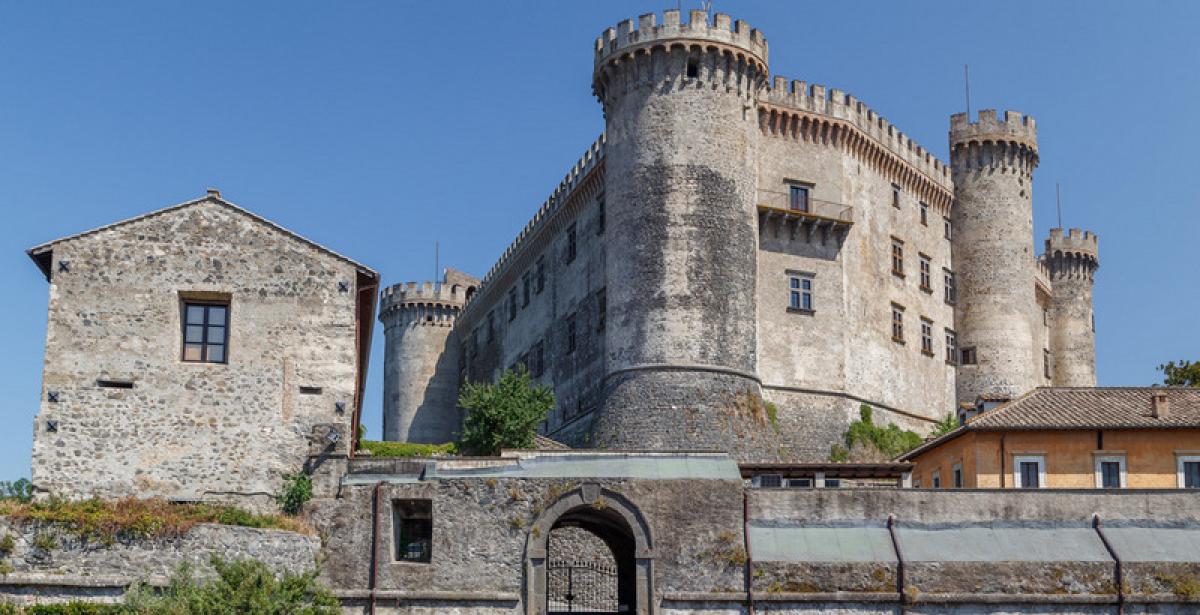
(738,263)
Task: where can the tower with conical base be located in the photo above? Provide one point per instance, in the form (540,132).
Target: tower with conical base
(1072,259)
(682,151)
(997,314)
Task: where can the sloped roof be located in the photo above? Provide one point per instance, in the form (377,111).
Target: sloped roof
(213,196)
(1093,408)
(1081,408)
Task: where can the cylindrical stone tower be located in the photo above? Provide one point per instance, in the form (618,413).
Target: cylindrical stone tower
(992,164)
(680,184)
(420,362)
(1072,260)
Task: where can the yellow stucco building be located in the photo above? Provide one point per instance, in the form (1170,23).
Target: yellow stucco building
(1071,438)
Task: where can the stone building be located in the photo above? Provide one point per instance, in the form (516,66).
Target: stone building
(198,352)
(738,263)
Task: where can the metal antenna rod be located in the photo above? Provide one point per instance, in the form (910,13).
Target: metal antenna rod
(437,280)
(1058,202)
(967,85)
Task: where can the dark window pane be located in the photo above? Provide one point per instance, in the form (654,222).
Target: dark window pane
(195,334)
(216,315)
(192,352)
(1191,474)
(216,354)
(195,314)
(1029,475)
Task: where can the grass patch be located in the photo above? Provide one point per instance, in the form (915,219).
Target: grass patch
(408,449)
(105,520)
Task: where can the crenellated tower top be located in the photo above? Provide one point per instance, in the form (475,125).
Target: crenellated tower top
(993,142)
(427,303)
(737,36)
(1075,253)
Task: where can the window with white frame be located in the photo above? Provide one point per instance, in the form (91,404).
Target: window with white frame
(1189,471)
(1029,471)
(1110,471)
(800,291)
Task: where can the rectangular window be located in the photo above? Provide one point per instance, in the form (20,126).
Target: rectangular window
(800,292)
(600,215)
(799,483)
(948,229)
(491,326)
(936,479)
(1110,471)
(926,337)
(1189,471)
(412,530)
(897,257)
(1029,472)
(925,214)
(541,274)
(967,356)
(897,323)
(572,244)
(951,347)
(833,483)
(926,273)
(601,309)
(769,481)
(1045,363)
(896,196)
(537,362)
(949,285)
(570,334)
(798,198)
(526,287)
(512,303)
(205,331)
(958,476)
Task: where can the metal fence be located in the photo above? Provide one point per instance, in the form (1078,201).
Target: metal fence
(581,587)
(777,199)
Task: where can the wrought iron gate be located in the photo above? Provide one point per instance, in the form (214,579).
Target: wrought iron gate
(581,587)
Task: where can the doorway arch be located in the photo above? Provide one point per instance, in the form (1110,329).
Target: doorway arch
(611,517)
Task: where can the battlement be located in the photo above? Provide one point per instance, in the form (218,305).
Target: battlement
(837,104)
(408,294)
(1014,127)
(723,30)
(1075,241)
(582,168)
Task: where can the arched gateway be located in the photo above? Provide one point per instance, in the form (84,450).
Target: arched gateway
(612,518)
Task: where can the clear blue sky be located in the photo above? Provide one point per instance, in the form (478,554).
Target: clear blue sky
(377,128)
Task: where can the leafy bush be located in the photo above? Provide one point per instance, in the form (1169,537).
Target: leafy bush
(866,441)
(408,449)
(74,608)
(104,520)
(245,586)
(20,490)
(948,424)
(503,415)
(297,489)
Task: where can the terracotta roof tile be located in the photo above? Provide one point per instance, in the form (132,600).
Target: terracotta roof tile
(1088,408)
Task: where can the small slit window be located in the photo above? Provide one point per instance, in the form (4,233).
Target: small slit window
(205,332)
(310,390)
(115,384)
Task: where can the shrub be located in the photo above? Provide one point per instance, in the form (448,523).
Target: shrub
(104,520)
(244,586)
(505,414)
(948,424)
(20,490)
(408,449)
(74,608)
(297,489)
(866,441)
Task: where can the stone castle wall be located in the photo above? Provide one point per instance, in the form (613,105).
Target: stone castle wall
(184,430)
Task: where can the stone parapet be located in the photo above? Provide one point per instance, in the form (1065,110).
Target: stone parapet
(625,39)
(420,293)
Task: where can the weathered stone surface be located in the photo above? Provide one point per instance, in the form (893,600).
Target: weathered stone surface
(188,430)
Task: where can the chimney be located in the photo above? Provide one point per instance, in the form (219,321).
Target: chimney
(1160,408)
(214,192)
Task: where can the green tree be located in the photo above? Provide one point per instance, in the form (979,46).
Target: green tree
(1181,374)
(244,586)
(503,415)
(948,424)
(20,490)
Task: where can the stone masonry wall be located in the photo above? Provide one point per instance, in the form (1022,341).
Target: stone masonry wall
(51,562)
(192,431)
